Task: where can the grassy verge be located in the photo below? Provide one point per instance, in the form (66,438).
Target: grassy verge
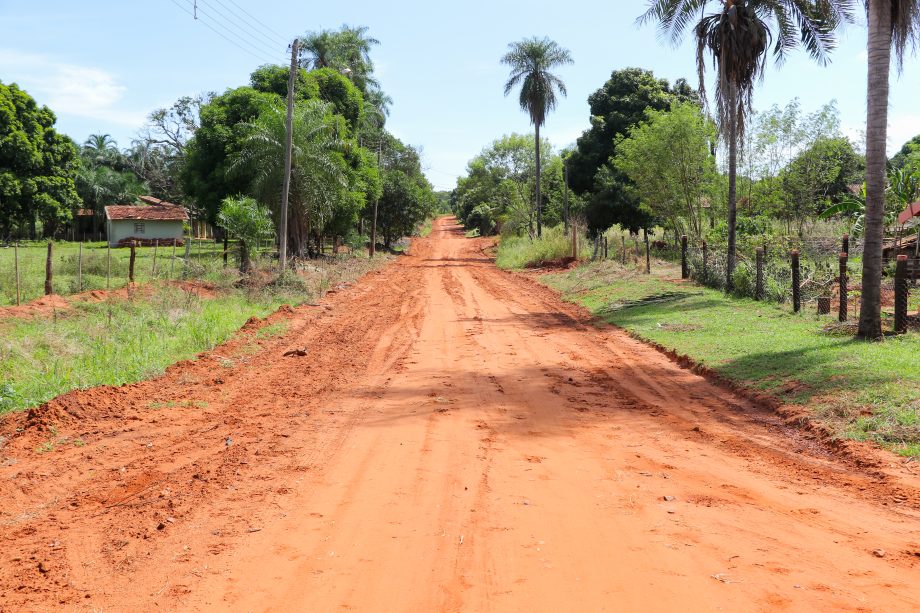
(122,341)
(523,252)
(865,391)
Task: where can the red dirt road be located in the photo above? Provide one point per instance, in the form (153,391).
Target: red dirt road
(455,439)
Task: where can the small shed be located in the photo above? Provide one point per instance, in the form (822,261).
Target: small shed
(146,225)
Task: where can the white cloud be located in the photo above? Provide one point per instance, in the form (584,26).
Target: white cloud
(69,89)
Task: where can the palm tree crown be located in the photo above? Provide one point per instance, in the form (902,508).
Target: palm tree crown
(531,61)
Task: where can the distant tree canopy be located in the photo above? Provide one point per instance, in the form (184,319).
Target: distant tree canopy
(37,167)
(503,179)
(407,197)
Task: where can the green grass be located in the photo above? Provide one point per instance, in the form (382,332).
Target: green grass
(122,341)
(205,262)
(866,391)
(522,251)
(425,228)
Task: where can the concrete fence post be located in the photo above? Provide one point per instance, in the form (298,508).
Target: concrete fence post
(842,312)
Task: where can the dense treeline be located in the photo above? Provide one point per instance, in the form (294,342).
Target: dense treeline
(204,150)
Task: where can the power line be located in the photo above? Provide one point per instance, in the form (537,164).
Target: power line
(264,27)
(257,55)
(255,39)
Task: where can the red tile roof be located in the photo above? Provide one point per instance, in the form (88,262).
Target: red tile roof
(155,201)
(85,212)
(912,210)
(147,213)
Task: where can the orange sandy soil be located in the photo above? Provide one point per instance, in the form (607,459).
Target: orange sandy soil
(455,439)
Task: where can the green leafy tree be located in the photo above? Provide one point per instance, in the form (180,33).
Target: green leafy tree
(37,167)
(207,175)
(893,25)
(910,150)
(618,105)
(669,162)
(736,37)
(531,61)
(247,221)
(817,178)
(406,202)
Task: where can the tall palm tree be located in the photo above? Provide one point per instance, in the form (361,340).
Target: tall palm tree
(319,172)
(736,37)
(531,61)
(892,24)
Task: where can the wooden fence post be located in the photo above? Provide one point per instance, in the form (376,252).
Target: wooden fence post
(226,246)
(842,311)
(131,262)
(574,241)
(623,249)
(705,260)
(845,244)
(638,253)
(16,263)
(156,247)
(648,253)
(606,252)
(684,267)
(900,295)
(49,289)
(758,283)
(80,267)
(796,281)
(172,261)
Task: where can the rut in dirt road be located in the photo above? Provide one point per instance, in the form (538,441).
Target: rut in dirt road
(456,438)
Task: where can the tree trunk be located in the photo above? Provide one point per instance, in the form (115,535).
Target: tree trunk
(539,201)
(732,185)
(244,257)
(879,65)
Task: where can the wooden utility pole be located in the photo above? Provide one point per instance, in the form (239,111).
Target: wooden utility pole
(288,145)
(373,246)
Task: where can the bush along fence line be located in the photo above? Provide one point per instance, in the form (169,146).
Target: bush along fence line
(778,275)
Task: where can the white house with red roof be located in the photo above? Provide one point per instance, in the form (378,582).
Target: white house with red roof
(159,222)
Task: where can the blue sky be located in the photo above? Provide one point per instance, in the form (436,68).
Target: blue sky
(102,66)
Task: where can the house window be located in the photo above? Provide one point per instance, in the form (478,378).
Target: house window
(138,227)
